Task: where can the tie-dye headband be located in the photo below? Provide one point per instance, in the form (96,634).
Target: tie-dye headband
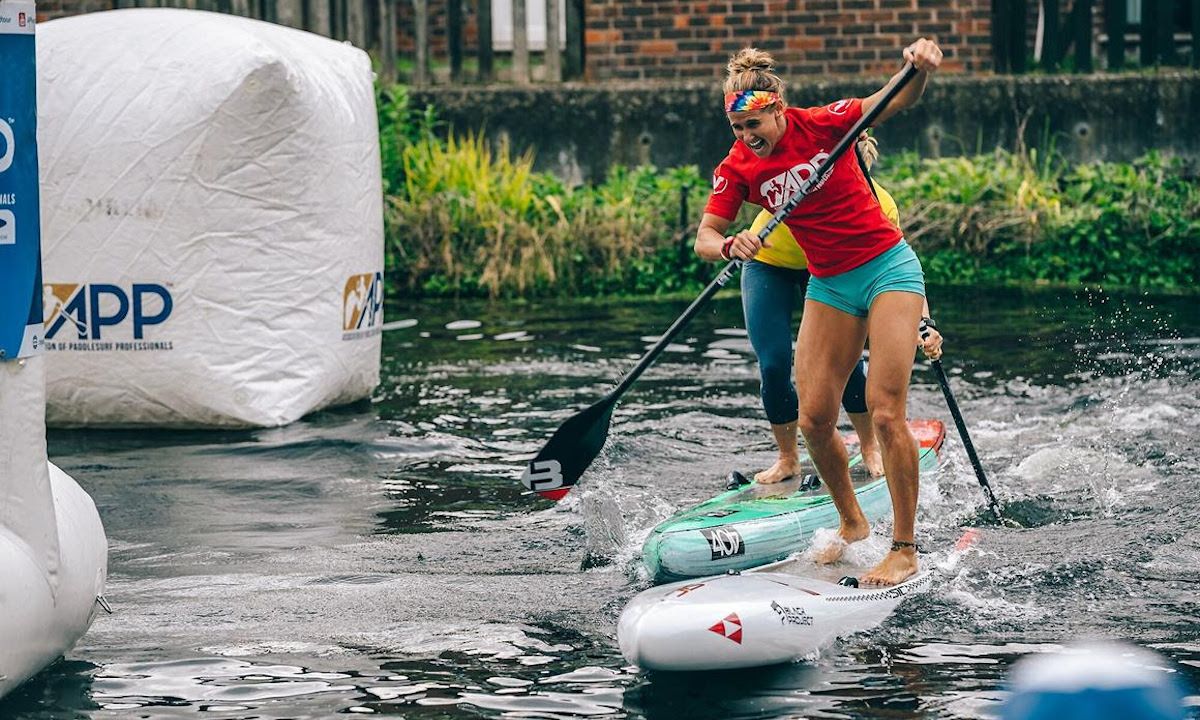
(750,100)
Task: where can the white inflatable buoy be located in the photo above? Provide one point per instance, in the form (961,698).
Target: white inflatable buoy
(213,209)
(53,553)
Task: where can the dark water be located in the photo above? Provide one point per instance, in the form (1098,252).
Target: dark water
(383,558)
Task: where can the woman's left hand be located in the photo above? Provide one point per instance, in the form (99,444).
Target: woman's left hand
(931,343)
(924,54)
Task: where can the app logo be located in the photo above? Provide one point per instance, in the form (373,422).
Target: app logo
(779,189)
(8,228)
(362,306)
(88,309)
(10,145)
(729,628)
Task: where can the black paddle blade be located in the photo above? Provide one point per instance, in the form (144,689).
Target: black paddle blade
(570,451)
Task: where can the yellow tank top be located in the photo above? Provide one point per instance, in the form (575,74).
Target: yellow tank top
(782,249)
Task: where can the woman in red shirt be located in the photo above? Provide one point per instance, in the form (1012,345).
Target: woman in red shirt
(866,280)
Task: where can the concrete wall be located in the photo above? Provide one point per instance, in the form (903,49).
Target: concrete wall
(578,131)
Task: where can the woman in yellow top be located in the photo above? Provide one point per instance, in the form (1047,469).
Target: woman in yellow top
(771,283)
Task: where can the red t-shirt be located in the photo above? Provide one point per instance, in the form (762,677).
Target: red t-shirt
(840,224)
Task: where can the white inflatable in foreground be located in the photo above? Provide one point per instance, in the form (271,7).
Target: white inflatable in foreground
(53,553)
(754,618)
(212,220)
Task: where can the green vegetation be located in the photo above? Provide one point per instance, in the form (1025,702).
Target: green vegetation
(466,217)
(463,218)
(1010,217)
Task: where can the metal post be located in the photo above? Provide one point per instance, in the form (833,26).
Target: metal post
(1166,34)
(454,28)
(1196,33)
(1083,36)
(553,48)
(574,60)
(319,18)
(337,19)
(289,12)
(387,40)
(356,23)
(1114,26)
(1000,37)
(520,38)
(484,26)
(1051,47)
(1018,44)
(1148,37)
(421,21)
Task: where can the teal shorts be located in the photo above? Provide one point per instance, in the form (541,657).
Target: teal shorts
(852,292)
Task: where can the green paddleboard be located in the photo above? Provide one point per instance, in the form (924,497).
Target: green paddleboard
(755,524)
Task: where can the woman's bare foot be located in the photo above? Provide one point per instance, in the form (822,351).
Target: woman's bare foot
(868,445)
(873,459)
(896,567)
(784,468)
(847,533)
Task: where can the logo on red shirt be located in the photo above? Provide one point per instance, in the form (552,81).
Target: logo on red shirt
(840,107)
(777,190)
(719,184)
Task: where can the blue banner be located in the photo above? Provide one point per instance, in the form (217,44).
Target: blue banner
(20,224)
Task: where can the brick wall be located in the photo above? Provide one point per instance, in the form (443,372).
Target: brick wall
(438,40)
(639,39)
(678,39)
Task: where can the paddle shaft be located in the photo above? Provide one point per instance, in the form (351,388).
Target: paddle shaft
(951,403)
(727,273)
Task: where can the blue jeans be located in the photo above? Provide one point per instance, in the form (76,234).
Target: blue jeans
(769,297)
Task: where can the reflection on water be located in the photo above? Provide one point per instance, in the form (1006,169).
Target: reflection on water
(383,559)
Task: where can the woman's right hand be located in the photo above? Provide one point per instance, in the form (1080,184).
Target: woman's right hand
(744,245)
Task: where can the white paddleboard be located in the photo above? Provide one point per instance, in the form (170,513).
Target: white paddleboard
(759,617)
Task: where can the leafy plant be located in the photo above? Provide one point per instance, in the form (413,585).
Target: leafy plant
(1008,217)
(467,216)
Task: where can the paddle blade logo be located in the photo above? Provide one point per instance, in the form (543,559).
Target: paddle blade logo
(543,475)
(729,628)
